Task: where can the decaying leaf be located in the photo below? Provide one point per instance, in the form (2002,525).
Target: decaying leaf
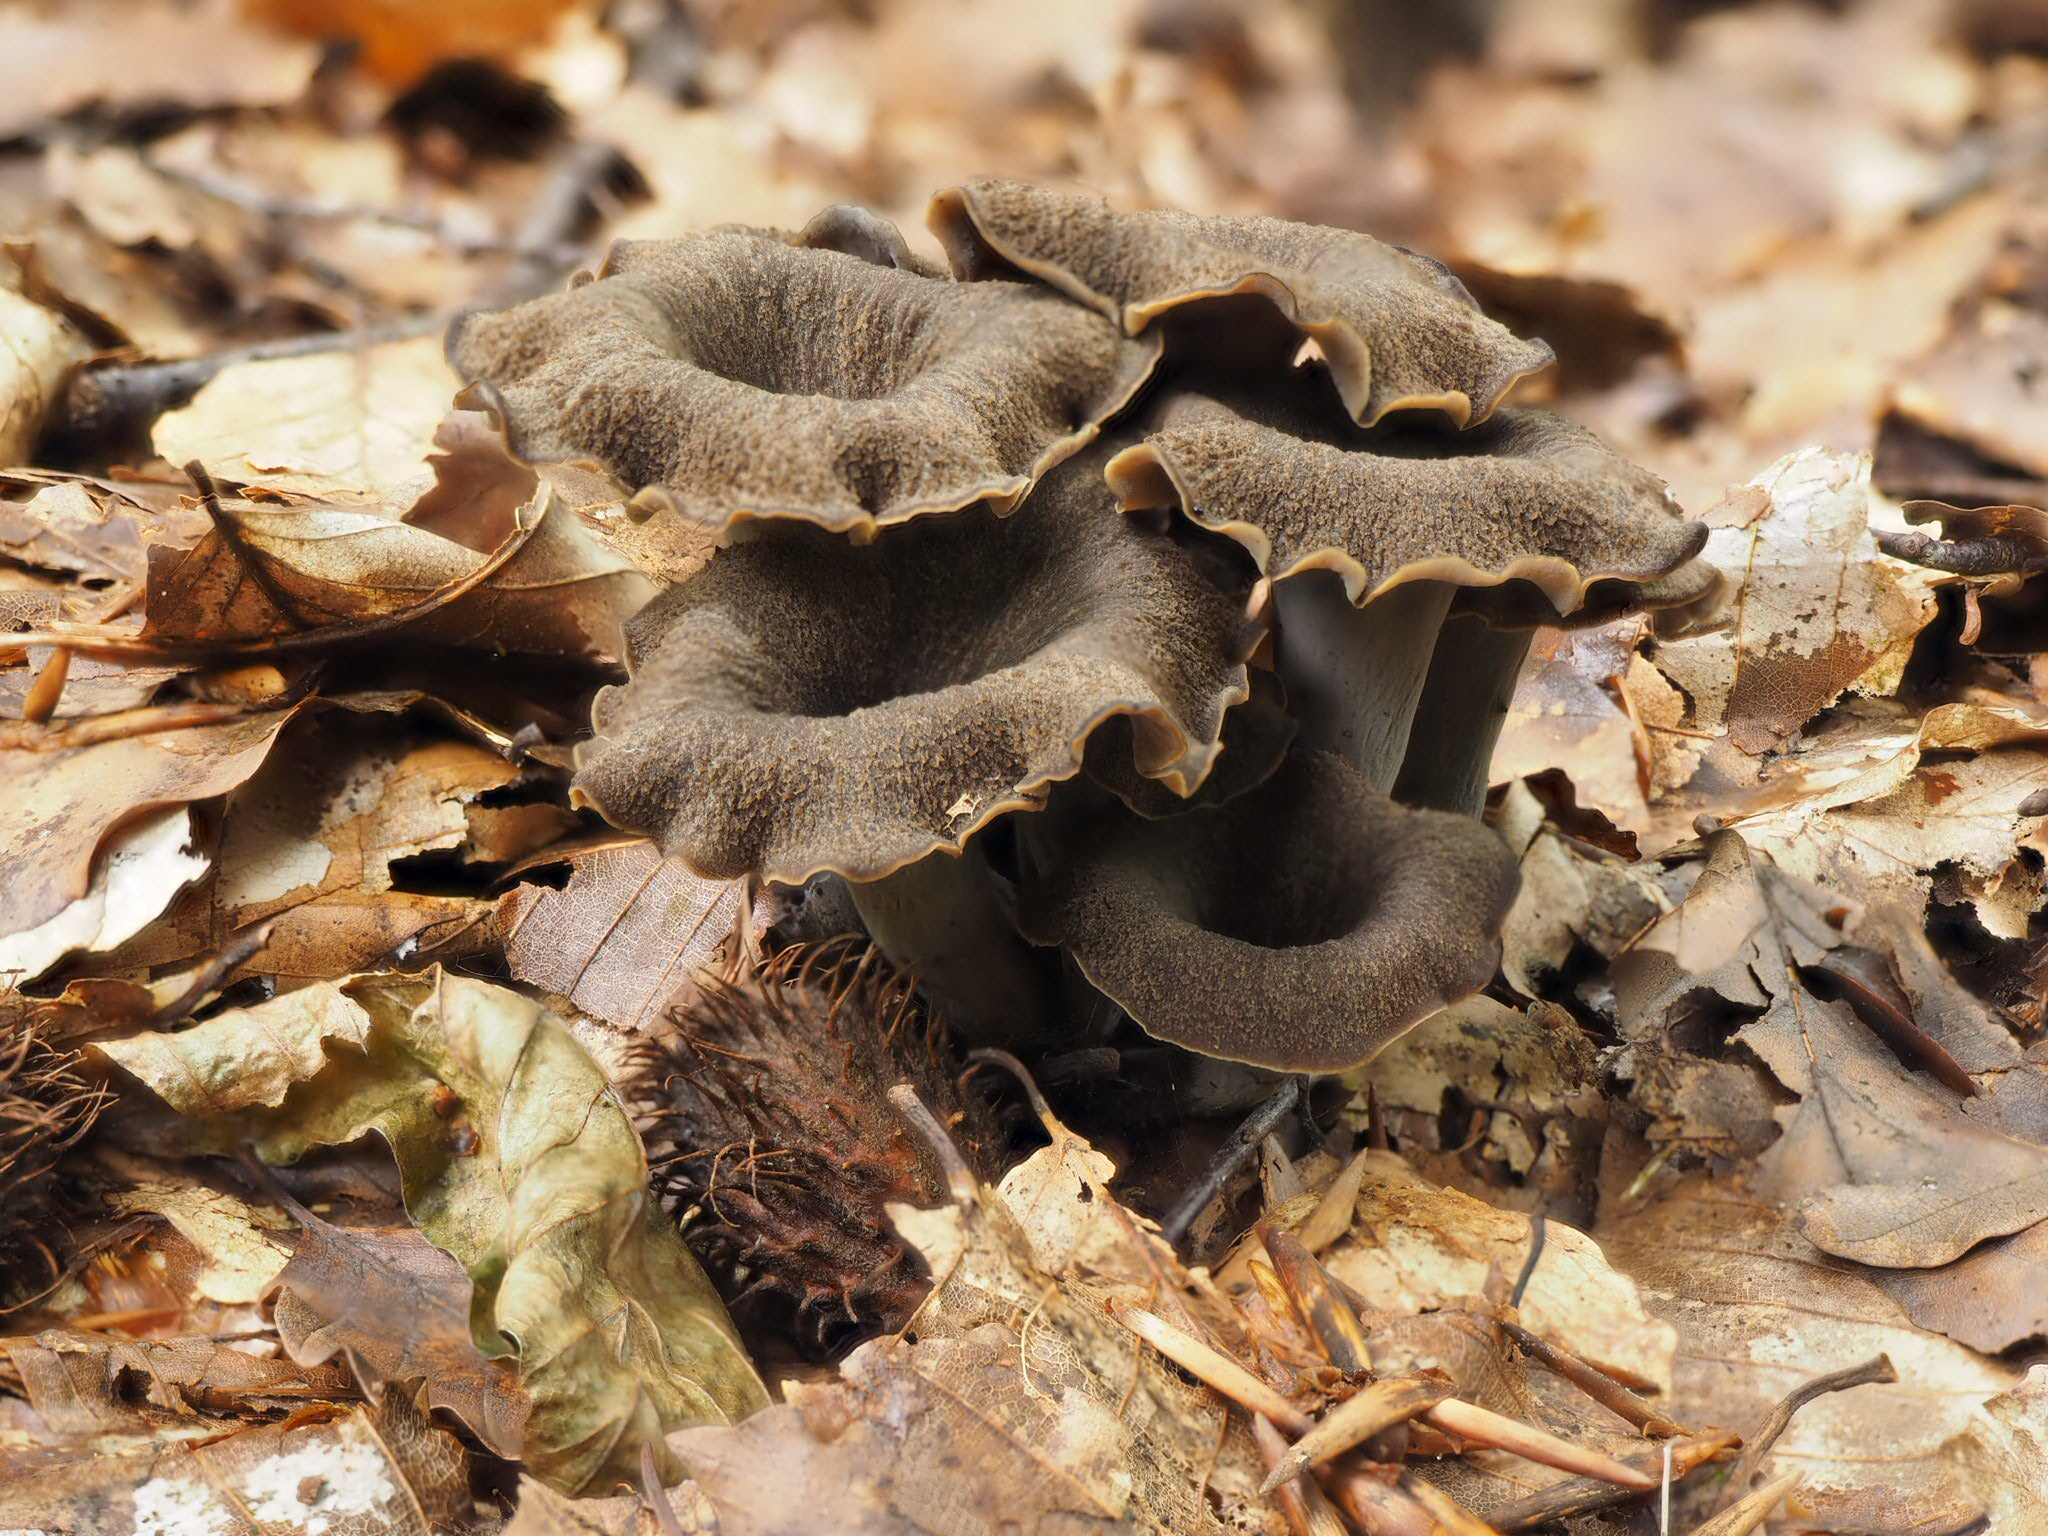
(397,1308)
(140,869)
(61,802)
(379,1468)
(240,1246)
(624,937)
(530,1175)
(1817,611)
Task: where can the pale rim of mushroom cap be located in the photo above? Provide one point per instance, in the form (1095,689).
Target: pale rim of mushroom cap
(742,377)
(1399,331)
(803,705)
(1526,497)
(1302,926)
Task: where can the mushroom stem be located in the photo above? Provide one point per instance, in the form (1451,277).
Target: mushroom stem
(1354,674)
(1458,720)
(944,920)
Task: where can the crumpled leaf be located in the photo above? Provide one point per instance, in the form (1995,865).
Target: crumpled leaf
(532,1177)
(139,871)
(624,936)
(489,556)
(59,804)
(398,1308)
(1816,611)
(309,845)
(1413,1247)
(92,1383)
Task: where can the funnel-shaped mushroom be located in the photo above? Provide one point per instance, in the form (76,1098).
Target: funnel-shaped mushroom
(1374,535)
(1398,330)
(750,377)
(1302,926)
(803,704)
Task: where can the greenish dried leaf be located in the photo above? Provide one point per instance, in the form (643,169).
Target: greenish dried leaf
(531,1175)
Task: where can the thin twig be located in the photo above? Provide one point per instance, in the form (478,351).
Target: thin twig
(1588,1495)
(243,947)
(1483,1426)
(1228,1159)
(1758,1446)
(1594,1382)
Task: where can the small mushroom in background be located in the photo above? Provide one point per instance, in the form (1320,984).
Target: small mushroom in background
(805,705)
(740,375)
(1301,926)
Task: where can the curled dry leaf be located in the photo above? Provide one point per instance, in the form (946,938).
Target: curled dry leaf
(141,868)
(533,1179)
(310,842)
(488,556)
(100,1383)
(38,350)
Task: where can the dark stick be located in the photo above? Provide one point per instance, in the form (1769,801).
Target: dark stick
(1228,1159)
(1758,1445)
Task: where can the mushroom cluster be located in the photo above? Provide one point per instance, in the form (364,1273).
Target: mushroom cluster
(1128,611)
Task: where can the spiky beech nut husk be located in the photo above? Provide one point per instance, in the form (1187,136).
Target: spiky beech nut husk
(774,1144)
(45,1106)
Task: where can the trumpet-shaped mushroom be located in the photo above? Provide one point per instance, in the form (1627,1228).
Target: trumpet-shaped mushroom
(1399,331)
(751,377)
(1371,539)
(1302,926)
(805,705)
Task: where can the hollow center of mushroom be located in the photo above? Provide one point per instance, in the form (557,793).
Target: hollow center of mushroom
(790,324)
(1308,895)
(920,636)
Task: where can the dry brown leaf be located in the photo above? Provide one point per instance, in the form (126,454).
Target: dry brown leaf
(91,1383)
(397,1308)
(1758,1310)
(1012,1371)
(38,350)
(141,869)
(1565,715)
(60,806)
(240,1245)
(341,423)
(1981,386)
(624,937)
(105,51)
(377,1470)
(1816,611)
(310,841)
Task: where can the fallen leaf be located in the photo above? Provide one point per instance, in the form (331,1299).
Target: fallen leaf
(104,51)
(61,804)
(534,1180)
(1758,1310)
(624,937)
(95,1383)
(238,1242)
(1816,611)
(37,353)
(398,1308)
(376,1468)
(141,868)
(339,423)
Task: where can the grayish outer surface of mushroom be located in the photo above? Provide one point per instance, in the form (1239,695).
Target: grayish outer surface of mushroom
(1301,927)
